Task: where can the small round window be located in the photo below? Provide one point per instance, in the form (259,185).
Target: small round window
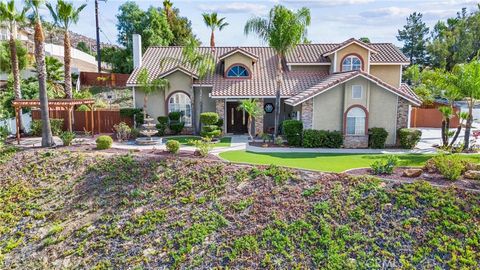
(238,72)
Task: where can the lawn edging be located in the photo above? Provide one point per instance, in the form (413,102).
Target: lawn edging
(256,149)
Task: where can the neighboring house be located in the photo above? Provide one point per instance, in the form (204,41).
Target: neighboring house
(348,87)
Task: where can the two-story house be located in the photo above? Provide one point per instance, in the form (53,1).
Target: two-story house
(349,87)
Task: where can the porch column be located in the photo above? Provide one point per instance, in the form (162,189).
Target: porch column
(259,120)
(307,114)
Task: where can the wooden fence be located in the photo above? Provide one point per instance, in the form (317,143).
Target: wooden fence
(103,79)
(430,117)
(103,120)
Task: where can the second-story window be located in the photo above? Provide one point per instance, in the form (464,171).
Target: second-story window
(351,62)
(238,72)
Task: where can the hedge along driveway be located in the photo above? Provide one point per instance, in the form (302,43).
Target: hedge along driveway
(324,162)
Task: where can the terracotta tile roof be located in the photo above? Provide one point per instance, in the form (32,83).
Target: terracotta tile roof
(239,50)
(347,42)
(338,78)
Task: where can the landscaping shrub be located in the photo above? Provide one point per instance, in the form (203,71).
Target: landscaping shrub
(162,125)
(313,138)
(56,125)
(409,137)
(3,133)
(209,122)
(450,166)
(104,142)
(122,131)
(203,146)
(292,130)
(384,166)
(173,146)
(67,137)
(176,126)
(377,137)
(136,114)
(220,123)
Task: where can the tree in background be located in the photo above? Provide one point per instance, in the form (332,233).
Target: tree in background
(120,59)
(39,40)
(64,15)
(364,40)
(82,46)
(6,58)
(414,38)
(149,86)
(12,18)
(212,21)
(181,27)
(283,30)
(250,106)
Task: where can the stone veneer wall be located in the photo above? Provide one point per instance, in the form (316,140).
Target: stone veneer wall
(402,113)
(259,120)
(220,109)
(355,141)
(307,114)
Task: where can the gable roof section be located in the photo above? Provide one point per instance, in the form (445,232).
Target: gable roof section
(347,43)
(238,50)
(338,78)
(178,68)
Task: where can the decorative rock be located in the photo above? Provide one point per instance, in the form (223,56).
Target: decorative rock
(412,172)
(471,174)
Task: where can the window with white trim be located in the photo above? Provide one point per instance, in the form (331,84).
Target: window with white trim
(351,62)
(357,92)
(355,121)
(180,102)
(238,72)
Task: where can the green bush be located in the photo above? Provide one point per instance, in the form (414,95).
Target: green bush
(176,128)
(209,118)
(377,137)
(3,133)
(384,166)
(162,125)
(292,130)
(409,137)
(322,139)
(104,142)
(220,123)
(173,146)
(56,125)
(203,146)
(450,166)
(175,116)
(123,131)
(67,137)
(134,113)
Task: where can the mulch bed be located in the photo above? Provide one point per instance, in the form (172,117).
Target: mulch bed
(432,178)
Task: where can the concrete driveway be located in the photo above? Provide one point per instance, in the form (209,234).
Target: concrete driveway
(433,136)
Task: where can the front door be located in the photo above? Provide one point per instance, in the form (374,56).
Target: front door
(236,119)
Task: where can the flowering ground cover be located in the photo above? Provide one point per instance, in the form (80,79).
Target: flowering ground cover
(103,210)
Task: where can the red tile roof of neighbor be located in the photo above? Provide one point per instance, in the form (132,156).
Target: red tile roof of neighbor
(160,61)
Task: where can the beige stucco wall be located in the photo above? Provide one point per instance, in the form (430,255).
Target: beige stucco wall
(238,58)
(387,73)
(349,101)
(353,48)
(383,111)
(316,68)
(178,81)
(328,110)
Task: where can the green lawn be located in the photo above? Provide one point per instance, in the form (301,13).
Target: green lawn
(224,142)
(322,162)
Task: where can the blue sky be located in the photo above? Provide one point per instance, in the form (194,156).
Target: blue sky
(332,20)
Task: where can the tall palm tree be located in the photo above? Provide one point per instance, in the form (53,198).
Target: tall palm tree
(12,18)
(39,40)
(64,15)
(282,30)
(211,20)
(149,87)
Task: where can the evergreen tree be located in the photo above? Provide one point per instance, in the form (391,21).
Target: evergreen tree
(414,38)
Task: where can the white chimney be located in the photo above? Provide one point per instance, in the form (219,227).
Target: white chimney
(137,50)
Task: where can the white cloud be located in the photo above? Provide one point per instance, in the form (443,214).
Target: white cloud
(386,12)
(325,3)
(236,7)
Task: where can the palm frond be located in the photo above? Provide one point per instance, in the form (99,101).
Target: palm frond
(259,26)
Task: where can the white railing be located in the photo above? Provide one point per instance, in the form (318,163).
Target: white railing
(57,50)
(11,123)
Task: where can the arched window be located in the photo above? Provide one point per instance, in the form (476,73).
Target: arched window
(238,72)
(180,102)
(355,121)
(351,62)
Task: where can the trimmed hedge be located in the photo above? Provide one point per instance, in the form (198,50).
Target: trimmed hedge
(409,137)
(209,118)
(136,114)
(55,124)
(173,146)
(377,137)
(209,122)
(176,126)
(104,142)
(292,130)
(162,125)
(174,116)
(313,138)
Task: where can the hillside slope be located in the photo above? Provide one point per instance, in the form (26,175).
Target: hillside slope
(62,209)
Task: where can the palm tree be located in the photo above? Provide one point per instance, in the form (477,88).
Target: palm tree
(168,7)
(211,20)
(149,87)
(282,30)
(64,16)
(39,39)
(253,109)
(12,18)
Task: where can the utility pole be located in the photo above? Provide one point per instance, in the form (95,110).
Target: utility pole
(99,58)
